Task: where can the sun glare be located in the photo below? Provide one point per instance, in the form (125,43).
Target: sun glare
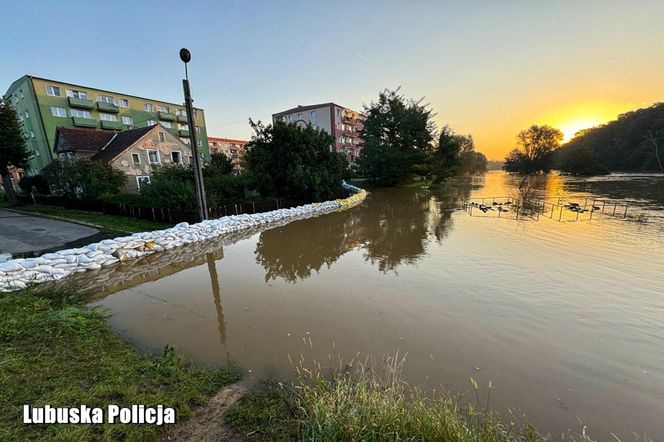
(569,128)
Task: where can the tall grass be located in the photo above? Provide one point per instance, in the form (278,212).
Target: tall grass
(371,401)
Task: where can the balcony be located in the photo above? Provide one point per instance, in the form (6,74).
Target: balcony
(83,122)
(183,133)
(165,116)
(102,106)
(115,125)
(81,103)
(182,119)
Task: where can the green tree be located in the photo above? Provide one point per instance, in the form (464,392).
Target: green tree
(446,158)
(290,161)
(397,136)
(221,162)
(13,151)
(83,176)
(533,150)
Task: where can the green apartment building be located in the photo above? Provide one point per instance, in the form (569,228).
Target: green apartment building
(43,105)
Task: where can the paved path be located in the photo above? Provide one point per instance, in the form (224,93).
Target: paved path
(25,233)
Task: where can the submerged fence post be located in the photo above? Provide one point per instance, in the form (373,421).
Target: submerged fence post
(625,214)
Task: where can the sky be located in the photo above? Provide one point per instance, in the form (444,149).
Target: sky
(487,68)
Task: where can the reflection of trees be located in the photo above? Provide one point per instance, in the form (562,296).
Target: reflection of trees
(393,228)
(294,250)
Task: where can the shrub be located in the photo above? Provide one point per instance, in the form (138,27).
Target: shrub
(84,177)
(37,181)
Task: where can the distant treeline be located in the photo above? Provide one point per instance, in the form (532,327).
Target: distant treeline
(633,142)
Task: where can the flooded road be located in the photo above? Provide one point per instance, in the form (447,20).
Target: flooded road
(565,318)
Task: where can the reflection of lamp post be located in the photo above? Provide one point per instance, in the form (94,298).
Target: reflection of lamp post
(185,56)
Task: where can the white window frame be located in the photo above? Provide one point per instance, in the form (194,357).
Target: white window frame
(123,102)
(140,178)
(151,123)
(57,114)
(107,117)
(179,154)
(163,109)
(50,91)
(27,115)
(135,156)
(80,113)
(158,156)
(73,93)
(167,124)
(148,107)
(162,137)
(105,99)
(129,119)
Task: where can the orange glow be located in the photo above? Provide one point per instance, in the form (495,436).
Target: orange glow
(571,127)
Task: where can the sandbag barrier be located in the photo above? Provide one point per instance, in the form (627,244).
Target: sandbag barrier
(18,274)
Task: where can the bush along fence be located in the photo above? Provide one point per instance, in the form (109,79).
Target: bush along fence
(165,215)
(18,274)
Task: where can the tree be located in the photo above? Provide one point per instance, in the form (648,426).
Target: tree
(397,136)
(653,140)
(83,176)
(13,151)
(446,158)
(533,150)
(287,160)
(221,162)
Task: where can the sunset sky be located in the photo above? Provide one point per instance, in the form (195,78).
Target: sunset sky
(487,68)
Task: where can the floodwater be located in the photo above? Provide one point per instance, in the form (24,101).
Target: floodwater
(566,318)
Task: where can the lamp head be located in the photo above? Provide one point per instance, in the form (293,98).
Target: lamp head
(185,55)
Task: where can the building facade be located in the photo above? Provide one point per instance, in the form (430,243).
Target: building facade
(341,122)
(43,105)
(136,152)
(233,149)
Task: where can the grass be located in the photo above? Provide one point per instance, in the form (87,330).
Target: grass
(370,402)
(106,222)
(55,351)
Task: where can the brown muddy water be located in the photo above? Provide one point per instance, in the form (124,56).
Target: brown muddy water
(565,318)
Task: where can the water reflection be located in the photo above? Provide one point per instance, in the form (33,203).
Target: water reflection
(392,228)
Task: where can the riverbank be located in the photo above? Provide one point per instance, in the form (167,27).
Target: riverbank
(368,402)
(55,351)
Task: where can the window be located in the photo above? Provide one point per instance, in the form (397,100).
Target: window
(53,91)
(127,120)
(105,99)
(148,107)
(338,113)
(200,142)
(58,111)
(162,137)
(107,117)
(176,156)
(299,116)
(123,102)
(27,115)
(20,95)
(154,157)
(32,134)
(20,118)
(80,113)
(162,109)
(290,118)
(195,113)
(182,112)
(312,115)
(142,180)
(81,95)
(151,122)
(191,159)
(167,124)
(198,129)
(136,158)
(183,126)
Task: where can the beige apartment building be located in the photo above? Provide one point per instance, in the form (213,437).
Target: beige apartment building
(341,122)
(233,149)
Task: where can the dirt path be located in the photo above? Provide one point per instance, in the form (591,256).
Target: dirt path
(207,422)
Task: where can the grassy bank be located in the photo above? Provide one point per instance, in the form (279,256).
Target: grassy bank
(370,403)
(55,351)
(120,224)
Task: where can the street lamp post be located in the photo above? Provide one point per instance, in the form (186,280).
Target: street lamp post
(185,56)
